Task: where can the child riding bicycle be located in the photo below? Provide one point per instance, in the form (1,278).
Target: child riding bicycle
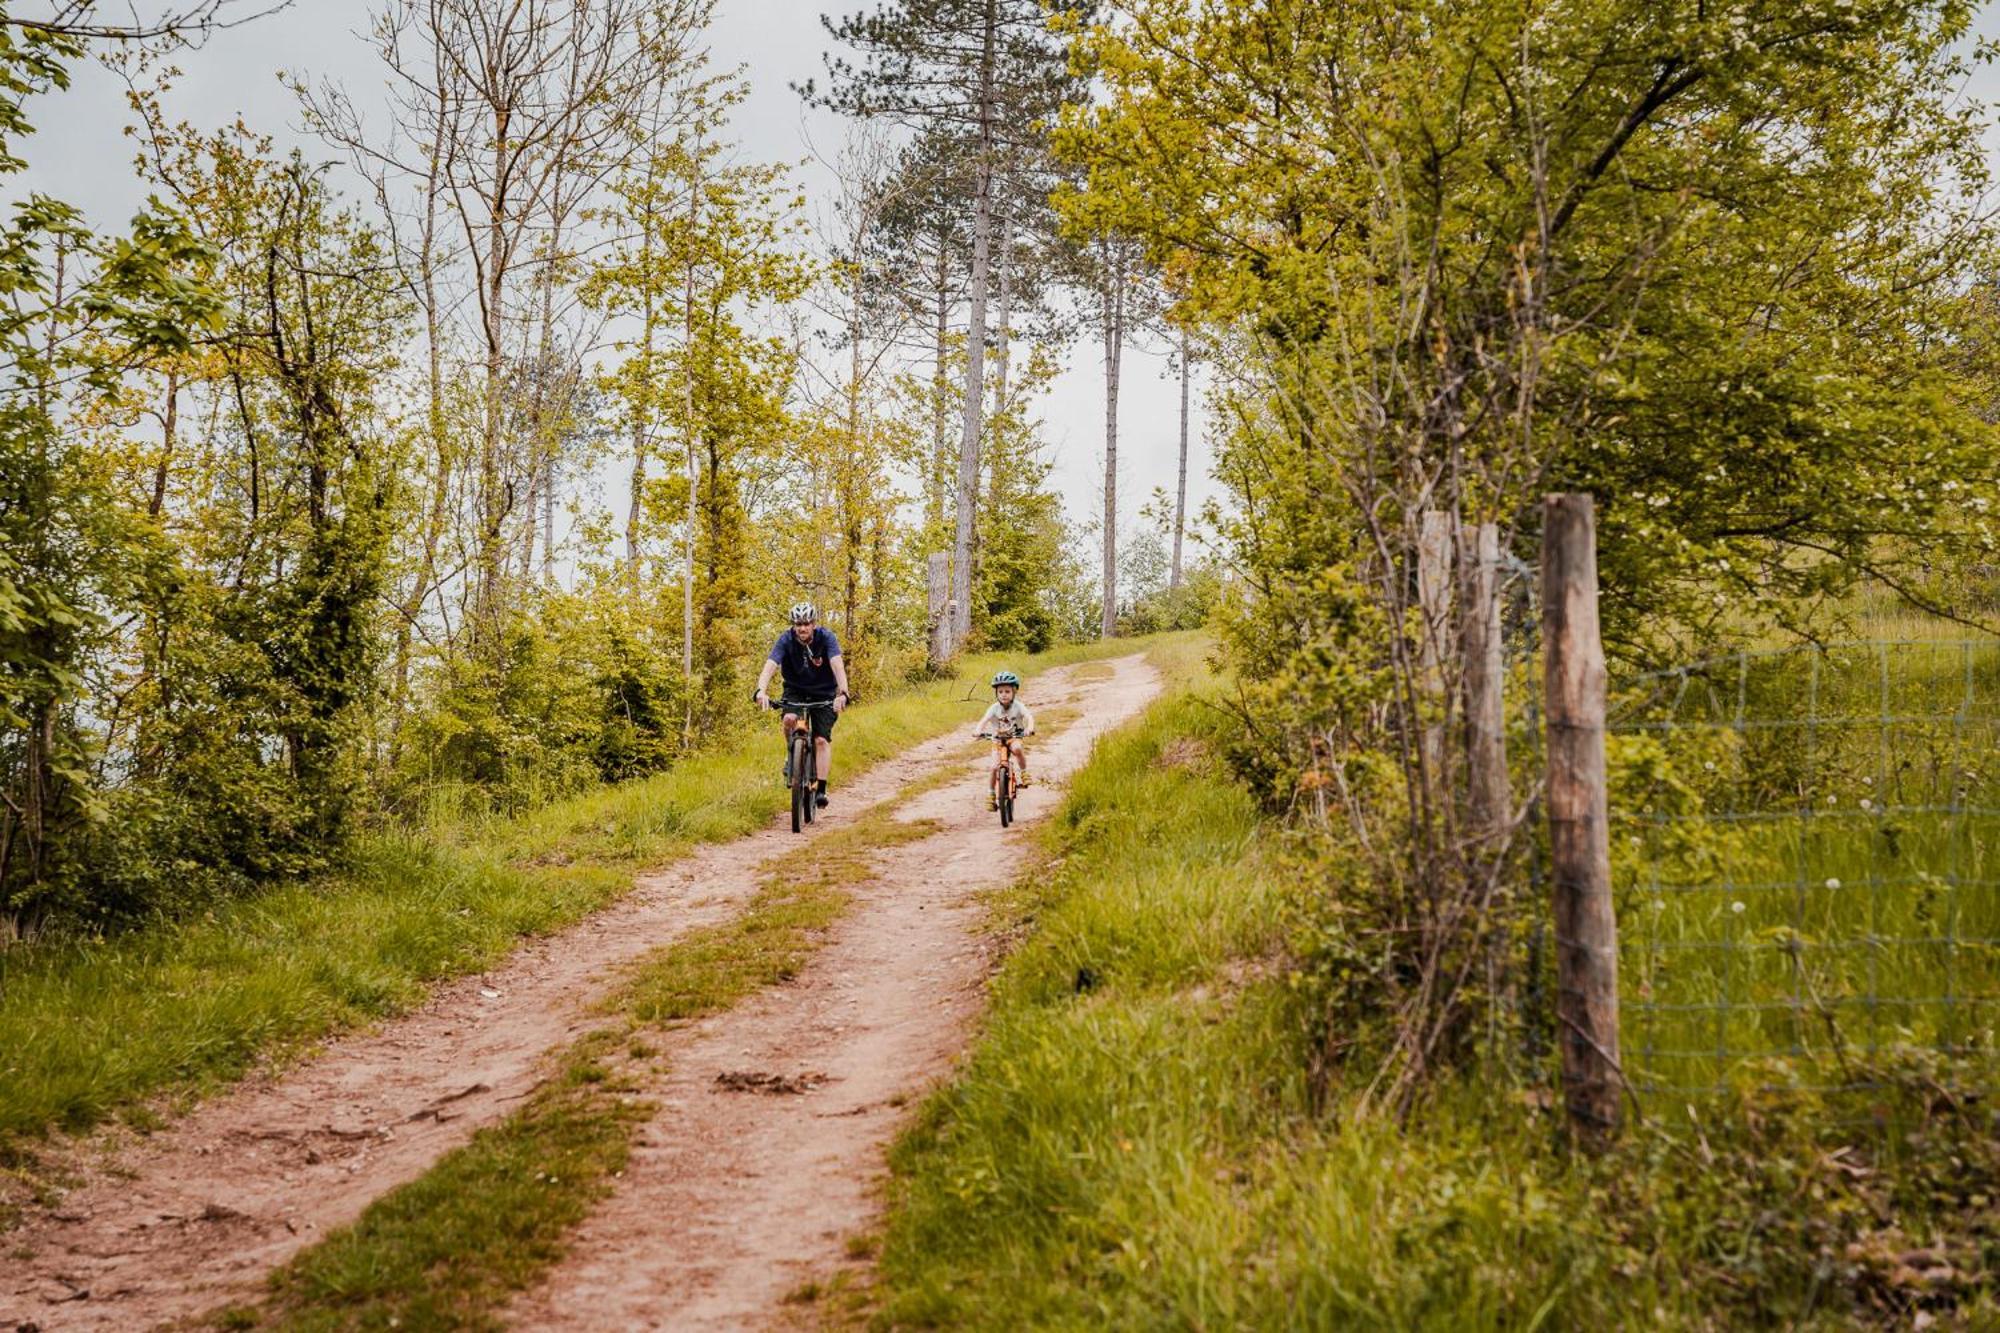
(1005,723)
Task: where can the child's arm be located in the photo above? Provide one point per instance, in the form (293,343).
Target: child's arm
(1027,726)
(986,722)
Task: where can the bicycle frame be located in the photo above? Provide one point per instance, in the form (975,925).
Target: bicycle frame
(1006,772)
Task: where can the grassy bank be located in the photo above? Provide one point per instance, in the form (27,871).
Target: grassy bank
(1133,1143)
(92,1028)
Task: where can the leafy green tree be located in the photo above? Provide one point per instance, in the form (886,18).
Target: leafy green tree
(78,309)
(1693,258)
(712,246)
(1026,574)
(272,502)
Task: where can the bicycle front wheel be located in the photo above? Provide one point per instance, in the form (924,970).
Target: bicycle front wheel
(801,786)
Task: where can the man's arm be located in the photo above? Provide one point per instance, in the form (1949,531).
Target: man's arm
(764,680)
(839,665)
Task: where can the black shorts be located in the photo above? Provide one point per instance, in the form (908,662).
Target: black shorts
(822,720)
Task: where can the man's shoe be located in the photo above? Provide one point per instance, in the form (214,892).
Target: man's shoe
(819,799)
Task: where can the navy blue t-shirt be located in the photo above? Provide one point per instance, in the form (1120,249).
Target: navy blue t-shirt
(807,668)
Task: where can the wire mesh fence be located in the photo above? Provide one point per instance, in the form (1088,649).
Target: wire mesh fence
(1806,859)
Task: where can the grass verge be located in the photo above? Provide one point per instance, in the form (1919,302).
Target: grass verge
(91,1028)
(1133,1142)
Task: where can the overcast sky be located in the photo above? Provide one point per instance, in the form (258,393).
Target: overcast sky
(78,154)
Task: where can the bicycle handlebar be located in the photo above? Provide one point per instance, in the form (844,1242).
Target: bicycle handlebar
(798,705)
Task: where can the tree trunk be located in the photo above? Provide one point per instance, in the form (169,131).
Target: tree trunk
(640,423)
(878,569)
(1113,297)
(441,460)
(547,416)
(1180,489)
(852,485)
(975,339)
(934,489)
(940,609)
(492,506)
(549,517)
(169,430)
(1002,330)
(693,466)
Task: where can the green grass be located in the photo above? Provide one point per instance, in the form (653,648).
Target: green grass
(1133,1144)
(94,1028)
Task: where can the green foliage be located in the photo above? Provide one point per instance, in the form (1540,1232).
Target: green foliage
(583,694)
(1706,263)
(1150,602)
(1023,560)
(79,308)
(1762,414)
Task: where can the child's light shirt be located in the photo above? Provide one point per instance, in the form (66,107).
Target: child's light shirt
(1015,715)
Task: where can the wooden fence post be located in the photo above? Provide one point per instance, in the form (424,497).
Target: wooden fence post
(1579,830)
(1434,597)
(1489,795)
(941,609)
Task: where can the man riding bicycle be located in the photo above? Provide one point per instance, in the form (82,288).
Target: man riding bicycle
(809,657)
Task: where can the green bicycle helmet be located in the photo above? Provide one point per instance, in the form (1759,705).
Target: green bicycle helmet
(1006,678)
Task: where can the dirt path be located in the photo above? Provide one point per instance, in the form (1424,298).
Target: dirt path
(184,1220)
(732,1199)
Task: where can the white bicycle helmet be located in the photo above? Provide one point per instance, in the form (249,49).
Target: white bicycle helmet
(804,613)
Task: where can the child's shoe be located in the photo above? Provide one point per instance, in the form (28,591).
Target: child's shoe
(992,802)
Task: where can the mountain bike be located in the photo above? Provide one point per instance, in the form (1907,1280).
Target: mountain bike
(801,757)
(1005,781)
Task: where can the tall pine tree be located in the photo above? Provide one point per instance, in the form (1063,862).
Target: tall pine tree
(988,74)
